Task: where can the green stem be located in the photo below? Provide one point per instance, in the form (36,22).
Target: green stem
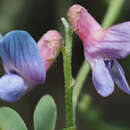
(109,19)
(67,54)
(80,79)
(112,12)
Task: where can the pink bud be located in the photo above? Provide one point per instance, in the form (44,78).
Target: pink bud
(49,46)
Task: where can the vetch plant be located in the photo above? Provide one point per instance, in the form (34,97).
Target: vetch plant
(26,64)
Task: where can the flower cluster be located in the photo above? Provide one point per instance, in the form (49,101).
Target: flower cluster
(26,63)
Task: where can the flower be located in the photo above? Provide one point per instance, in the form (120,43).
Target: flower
(101,48)
(24,64)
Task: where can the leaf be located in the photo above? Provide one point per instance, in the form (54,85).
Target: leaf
(45,114)
(11,120)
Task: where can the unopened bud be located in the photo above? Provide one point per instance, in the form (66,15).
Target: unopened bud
(49,46)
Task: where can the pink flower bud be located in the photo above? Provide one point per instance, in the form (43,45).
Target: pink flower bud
(49,46)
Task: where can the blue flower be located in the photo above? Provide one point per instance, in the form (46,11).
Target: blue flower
(23,65)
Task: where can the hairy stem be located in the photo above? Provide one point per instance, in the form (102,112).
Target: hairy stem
(67,54)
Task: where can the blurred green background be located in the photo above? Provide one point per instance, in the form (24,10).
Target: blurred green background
(38,16)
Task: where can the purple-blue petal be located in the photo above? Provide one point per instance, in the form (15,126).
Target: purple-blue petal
(102,79)
(119,77)
(115,44)
(12,87)
(20,54)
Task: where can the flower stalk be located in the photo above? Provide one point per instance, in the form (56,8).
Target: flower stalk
(67,55)
(112,13)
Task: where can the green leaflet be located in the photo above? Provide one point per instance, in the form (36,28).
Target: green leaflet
(11,120)
(45,114)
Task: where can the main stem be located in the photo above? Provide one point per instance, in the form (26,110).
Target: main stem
(67,54)
(111,15)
